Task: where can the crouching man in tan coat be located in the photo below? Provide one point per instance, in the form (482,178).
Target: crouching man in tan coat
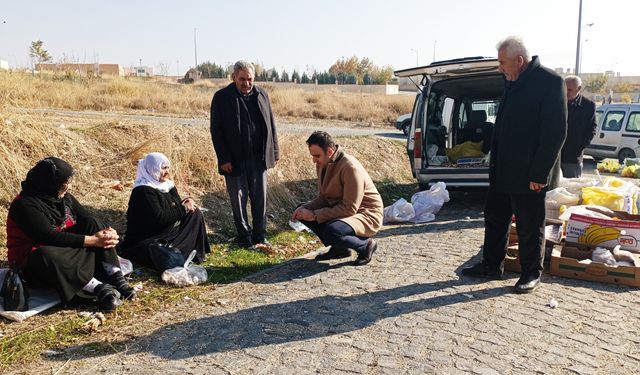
(348,209)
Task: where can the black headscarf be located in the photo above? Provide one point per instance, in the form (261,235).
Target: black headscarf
(44,181)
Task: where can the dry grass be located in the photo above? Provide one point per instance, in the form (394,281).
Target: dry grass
(161,96)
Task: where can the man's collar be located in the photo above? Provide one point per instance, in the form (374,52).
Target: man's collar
(577,101)
(253,90)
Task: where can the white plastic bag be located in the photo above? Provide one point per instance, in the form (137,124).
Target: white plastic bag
(125,266)
(187,275)
(399,212)
(561,196)
(582,210)
(426,204)
(298,226)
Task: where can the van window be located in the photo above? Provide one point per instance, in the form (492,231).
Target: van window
(633,125)
(613,121)
(598,117)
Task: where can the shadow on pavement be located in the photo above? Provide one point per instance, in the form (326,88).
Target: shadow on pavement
(298,269)
(287,322)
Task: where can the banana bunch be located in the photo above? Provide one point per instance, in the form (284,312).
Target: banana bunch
(595,234)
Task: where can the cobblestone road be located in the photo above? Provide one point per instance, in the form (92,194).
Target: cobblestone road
(408,312)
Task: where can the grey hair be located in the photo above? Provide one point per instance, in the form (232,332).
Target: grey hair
(514,46)
(575,79)
(243,65)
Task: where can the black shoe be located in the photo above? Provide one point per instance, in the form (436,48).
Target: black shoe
(526,284)
(108,297)
(244,245)
(365,257)
(334,253)
(122,286)
(483,271)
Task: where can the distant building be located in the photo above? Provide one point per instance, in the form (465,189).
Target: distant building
(82,69)
(4,65)
(138,71)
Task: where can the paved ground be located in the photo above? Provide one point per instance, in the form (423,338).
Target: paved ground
(408,312)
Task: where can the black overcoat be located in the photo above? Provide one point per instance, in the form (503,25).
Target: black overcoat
(225,128)
(530,129)
(581,127)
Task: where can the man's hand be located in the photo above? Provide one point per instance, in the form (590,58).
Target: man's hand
(536,186)
(302,213)
(226,167)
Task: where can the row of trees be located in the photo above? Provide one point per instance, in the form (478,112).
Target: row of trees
(349,71)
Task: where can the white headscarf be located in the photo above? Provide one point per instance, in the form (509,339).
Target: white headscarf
(148,173)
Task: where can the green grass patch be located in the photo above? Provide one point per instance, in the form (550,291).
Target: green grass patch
(229,263)
(30,344)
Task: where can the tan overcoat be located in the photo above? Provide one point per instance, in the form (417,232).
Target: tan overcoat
(347,193)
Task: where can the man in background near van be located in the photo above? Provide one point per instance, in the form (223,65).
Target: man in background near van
(581,127)
(530,127)
(244,136)
(348,209)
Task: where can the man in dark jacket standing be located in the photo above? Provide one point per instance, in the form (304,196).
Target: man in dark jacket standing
(244,137)
(530,129)
(581,127)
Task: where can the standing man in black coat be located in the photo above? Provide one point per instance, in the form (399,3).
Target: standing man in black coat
(530,129)
(244,137)
(581,127)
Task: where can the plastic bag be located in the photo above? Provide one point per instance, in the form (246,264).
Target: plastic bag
(602,196)
(602,255)
(399,212)
(298,226)
(426,204)
(608,165)
(187,275)
(630,171)
(575,185)
(561,196)
(581,210)
(466,149)
(631,161)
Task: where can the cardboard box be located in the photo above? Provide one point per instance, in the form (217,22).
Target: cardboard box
(565,262)
(511,261)
(608,233)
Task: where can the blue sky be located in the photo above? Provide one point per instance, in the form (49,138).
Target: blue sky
(307,35)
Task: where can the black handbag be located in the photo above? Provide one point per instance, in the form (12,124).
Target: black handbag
(164,256)
(14,291)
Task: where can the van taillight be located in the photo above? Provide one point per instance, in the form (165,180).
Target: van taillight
(417,143)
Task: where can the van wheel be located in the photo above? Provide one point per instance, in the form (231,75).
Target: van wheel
(405,127)
(626,153)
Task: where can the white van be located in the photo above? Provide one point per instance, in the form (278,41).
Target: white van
(618,132)
(457,102)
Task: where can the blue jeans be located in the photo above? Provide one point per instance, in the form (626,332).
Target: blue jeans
(338,234)
(250,184)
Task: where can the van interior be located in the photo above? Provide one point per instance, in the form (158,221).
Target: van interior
(473,103)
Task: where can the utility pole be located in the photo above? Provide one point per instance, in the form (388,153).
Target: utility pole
(195,47)
(577,69)
(434,50)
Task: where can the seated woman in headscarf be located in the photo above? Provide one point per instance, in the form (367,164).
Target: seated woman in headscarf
(157,213)
(55,241)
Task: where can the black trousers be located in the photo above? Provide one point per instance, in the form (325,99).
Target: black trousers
(529,212)
(251,184)
(338,234)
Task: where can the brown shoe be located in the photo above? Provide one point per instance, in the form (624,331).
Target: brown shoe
(365,257)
